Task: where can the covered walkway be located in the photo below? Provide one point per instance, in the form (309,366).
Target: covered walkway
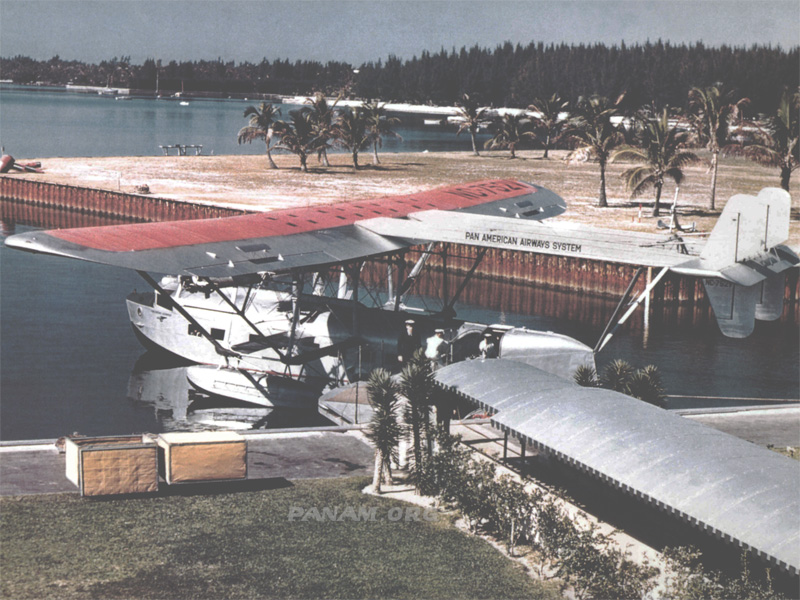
(734,489)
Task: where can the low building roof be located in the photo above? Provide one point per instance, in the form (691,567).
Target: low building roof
(739,491)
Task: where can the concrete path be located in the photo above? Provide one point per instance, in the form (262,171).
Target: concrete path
(765,427)
(40,468)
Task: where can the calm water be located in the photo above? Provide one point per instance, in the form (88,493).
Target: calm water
(46,124)
(69,360)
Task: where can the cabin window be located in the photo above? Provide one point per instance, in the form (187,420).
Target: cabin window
(163,301)
(217,334)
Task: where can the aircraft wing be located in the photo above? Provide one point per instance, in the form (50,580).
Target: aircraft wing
(282,240)
(561,239)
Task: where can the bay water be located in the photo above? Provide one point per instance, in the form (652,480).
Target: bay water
(69,361)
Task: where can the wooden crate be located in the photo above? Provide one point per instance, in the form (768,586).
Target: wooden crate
(103,466)
(207,456)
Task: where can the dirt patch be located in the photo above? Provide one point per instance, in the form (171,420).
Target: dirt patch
(248,182)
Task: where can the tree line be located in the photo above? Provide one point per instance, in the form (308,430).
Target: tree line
(507,75)
(657,143)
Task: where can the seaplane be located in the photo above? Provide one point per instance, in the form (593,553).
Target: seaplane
(268,304)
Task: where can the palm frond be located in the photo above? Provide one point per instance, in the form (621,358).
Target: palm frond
(249,133)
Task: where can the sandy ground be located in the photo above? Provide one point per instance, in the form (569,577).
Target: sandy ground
(247,182)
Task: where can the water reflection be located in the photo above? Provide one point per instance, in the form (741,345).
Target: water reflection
(159,381)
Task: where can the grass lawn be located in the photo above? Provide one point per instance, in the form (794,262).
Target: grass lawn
(237,545)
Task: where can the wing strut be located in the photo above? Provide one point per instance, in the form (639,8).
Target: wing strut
(401,270)
(250,324)
(618,310)
(449,308)
(297,289)
(412,276)
(222,351)
(355,277)
(633,307)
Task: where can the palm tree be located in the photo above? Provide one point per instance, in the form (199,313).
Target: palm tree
(550,118)
(473,116)
(644,384)
(777,144)
(661,156)
(596,134)
(350,130)
(509,131)
(711,113)
(299,136)
(379,125)
(585,376)
(322,115)
(262,120)
(384,430)
(616,376)
(416,384)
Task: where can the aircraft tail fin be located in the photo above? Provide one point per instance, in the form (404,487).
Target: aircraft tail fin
(734,306)
(737,307)
(770,303)
(748,227)
(743,263)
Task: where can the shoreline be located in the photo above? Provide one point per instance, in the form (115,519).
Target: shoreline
(244,182)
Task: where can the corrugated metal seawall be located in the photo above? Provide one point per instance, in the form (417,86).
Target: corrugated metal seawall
(91,201)
(557,279)
(590,278)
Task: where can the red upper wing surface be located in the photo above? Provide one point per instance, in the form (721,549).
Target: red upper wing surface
(276,241)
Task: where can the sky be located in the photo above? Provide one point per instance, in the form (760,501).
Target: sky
(358,31)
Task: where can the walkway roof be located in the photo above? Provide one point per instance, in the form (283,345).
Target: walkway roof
(739,491)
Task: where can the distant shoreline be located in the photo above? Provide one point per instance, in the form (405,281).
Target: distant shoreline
(443,115)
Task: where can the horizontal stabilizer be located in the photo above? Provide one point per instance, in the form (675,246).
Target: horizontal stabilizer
(734,306)
(751,271)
